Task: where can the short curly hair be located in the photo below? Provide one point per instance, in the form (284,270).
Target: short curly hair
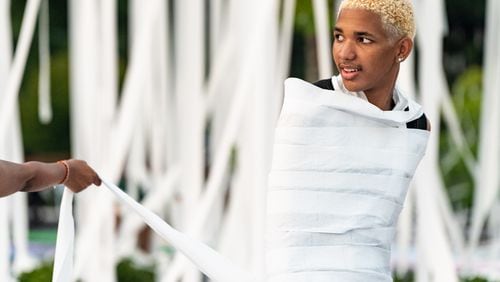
(397,15)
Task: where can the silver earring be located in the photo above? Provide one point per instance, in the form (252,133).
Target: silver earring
(400,59)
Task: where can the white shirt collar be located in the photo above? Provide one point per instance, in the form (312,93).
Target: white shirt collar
(401,103)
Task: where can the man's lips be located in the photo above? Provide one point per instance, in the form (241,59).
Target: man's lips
(350,67)
(349,71)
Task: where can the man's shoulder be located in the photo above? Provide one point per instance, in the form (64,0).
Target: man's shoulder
(419,123)
(324,84)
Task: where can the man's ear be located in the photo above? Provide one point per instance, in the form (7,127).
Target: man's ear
(405,45)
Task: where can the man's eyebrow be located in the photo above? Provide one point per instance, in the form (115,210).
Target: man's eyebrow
(362,33)
(356,33)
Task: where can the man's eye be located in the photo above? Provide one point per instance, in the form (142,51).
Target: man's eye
(338,37)
(365,40)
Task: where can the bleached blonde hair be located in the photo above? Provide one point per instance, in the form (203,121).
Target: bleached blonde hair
(397,15)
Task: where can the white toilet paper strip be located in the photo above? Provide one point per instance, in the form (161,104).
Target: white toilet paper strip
(340,172)
(215,266)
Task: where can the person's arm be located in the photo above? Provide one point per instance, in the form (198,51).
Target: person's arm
(37,176)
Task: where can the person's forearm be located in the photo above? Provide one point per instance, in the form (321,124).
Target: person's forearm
(36,176)
(29,176)
(43,175)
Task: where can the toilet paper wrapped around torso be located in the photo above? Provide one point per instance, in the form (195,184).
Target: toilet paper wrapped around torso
(340,173)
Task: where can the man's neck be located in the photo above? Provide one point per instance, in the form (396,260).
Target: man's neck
(382,97)
(383,100)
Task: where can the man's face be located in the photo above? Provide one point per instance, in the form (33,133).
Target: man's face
(363,52)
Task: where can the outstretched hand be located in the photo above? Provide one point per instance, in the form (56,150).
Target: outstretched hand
(80,175)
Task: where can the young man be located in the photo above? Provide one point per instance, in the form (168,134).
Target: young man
(344,154)
(371,40)
(37,176)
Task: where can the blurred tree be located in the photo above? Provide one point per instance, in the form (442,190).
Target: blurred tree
(41,274)
(52,141)
(463,57)
(463,46)
(47,142)
(304,56)
(128,271)
(466,97)
(53,137)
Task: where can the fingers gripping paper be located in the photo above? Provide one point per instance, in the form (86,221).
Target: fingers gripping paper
(206,259)
(341,169)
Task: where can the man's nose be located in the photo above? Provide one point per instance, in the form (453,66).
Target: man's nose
(347,51)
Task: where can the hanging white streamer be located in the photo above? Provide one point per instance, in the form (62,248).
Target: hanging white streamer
(434,248)
(10,138)
(63,261)
(5,58)
(18,64)
(44,105)
(4,241)
(322,25)
(206,259)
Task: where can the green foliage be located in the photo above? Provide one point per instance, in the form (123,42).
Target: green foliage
(408,277)
(52,137)
(304,17)
(41,274)
(467,92)
(304,21)
(463,44)
(129,272)
(474,279)
(467,101)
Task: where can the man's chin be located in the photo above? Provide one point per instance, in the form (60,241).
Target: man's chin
(352,87)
